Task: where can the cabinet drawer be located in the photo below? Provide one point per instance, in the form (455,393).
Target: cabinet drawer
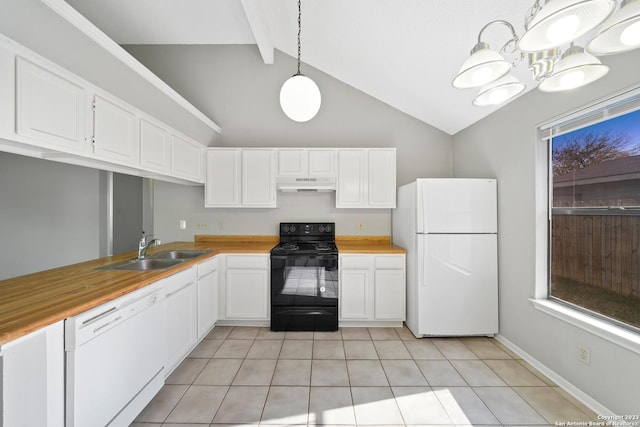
(207,267)
(389,261)
(355,261)
(248,261)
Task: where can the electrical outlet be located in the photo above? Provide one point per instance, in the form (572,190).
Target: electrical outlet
(361,227)
(202,225)
(183,224)
(584,355)
(220,225)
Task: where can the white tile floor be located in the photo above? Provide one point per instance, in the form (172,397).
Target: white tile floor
(356,376)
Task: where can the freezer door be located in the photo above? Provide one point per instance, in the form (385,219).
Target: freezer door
(459,285)
(455,205)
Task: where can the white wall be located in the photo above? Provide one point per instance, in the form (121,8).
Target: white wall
(49,215)
(503,146)
(233,86)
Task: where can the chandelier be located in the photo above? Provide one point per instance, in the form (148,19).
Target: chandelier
(299,96)
(548,26)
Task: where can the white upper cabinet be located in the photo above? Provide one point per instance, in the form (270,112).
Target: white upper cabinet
(115,131)
(50,108)
(222,186)
(258,178)
(306,162)
(155,151)
(240,177)
(186,159)
(352,175)
(366,178)
(381,185)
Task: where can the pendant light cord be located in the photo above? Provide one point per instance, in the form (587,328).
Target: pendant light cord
(299,31)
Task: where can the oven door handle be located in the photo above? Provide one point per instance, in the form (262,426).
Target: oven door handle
(307,311)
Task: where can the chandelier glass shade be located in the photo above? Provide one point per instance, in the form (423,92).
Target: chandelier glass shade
(300,97)
(561,21)
(482,67)
(620,32)
(550,24)
(499,91)
(576,68)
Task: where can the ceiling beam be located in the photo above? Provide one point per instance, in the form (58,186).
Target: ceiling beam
(259,28)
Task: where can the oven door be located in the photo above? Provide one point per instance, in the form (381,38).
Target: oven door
(304,280)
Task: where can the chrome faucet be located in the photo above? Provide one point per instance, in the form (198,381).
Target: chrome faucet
(145,243)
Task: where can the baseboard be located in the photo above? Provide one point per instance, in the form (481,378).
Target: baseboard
(574,391)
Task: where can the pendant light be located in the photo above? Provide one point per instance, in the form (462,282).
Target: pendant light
(562,21)
(576,68)
(299,96)
(620,32)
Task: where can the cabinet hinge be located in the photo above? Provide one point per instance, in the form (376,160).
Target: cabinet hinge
(93,105)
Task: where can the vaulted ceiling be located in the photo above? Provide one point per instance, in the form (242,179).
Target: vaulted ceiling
(402,52)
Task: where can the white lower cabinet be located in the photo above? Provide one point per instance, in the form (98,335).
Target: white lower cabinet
(181,316)
(245,294)
(32,374)
(372,287)
(207,296)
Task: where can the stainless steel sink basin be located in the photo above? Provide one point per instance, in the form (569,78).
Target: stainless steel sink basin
(178,254)
(143,264)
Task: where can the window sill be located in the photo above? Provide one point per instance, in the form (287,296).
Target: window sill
(605,330)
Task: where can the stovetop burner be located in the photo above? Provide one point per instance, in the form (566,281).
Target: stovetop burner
(306,238)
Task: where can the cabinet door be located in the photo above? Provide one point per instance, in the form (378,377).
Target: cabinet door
(32,379)
(351,182)
(389,295)
(222,186)
(247,294)
(186,159)
(258,178)
(207,296)
(354,294)
(115,132)
(322,162)
(381,182)
(50,108)
(155,150)
(292,162)
(181,306)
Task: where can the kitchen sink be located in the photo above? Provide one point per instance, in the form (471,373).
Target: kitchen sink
(177,254)
(143,264)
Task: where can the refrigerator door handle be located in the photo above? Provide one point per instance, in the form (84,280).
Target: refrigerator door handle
(421,260)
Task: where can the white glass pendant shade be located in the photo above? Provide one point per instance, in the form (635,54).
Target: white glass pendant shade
(620,32)
(575,69)
(300,98)
(499,91)
(561,21)
(482,67)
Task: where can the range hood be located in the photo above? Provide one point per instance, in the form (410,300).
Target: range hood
(292,183)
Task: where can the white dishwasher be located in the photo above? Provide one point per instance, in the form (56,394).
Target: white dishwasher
(115,359)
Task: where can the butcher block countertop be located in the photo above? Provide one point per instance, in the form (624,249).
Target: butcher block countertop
(367,245)
(34,301)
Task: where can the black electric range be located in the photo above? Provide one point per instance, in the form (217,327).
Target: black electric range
(304,278)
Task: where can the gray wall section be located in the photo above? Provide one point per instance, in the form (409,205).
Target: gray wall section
(503,146)
(49,215)
(242,94)
(127,213)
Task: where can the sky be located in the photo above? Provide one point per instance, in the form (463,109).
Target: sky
(628,123)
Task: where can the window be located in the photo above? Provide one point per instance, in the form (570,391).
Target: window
(595,213)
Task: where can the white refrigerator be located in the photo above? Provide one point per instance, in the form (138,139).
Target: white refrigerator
(449,229)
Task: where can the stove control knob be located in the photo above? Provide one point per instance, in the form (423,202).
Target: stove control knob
(328,228)
(293,228)
(321,229)
(285,228)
